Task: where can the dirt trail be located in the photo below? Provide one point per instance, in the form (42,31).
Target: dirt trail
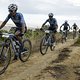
(36,68)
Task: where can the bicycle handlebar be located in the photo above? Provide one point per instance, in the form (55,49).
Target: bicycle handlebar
(6,34)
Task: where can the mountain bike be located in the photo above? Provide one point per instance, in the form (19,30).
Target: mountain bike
(64,35)
(46,42)
(11,43)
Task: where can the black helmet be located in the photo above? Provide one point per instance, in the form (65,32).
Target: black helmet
(66,21)
(50,14)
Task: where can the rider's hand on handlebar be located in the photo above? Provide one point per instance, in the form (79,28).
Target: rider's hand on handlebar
(41,29)
(68,30)
(60,30)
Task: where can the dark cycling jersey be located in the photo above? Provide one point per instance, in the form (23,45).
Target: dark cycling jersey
(75,26)
(66,25)
(52,22)
(17,19)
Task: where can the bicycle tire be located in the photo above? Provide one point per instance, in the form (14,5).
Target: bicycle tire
(74,35)
(52,47)
(6,49)
(45,46)
(21,56)
(63,39)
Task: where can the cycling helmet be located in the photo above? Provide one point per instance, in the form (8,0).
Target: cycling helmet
(12,7)
(74,23)
(50,14)
(66,21)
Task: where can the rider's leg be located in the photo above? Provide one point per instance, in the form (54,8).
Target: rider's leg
(66,33)
(19,39)
(54,37)
(22,48)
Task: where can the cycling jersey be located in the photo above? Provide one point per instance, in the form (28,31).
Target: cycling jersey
(52,22)
(17,19)
(75,26)
(66,25)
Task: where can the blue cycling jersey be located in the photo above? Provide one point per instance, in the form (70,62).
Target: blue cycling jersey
(17,19)
(52,22)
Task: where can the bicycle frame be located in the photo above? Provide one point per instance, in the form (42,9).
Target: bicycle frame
(5,54)
(11,37)
(46,42)
(64,33)
(49,35)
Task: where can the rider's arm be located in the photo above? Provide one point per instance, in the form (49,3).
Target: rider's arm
(5,21)
(23,28)
(23,23)
(44,23)
(61,26)
(56,25)
(69,27)
(2,25)
(77,27)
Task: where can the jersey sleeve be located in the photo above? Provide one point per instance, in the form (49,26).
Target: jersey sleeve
(45,22)
(55,22)
(22,19)
(7,18)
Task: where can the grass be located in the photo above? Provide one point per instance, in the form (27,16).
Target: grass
(77,43)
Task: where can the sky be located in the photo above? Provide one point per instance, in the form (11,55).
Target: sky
(35,12)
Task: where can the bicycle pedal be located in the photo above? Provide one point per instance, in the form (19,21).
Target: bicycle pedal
(24,52)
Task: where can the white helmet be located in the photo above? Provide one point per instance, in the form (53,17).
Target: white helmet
(50,14)
(12,7)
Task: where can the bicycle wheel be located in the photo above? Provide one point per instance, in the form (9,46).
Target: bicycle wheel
(52,46)
(63,39)
(74,34)
(43,46)
(26,54)
(5,57)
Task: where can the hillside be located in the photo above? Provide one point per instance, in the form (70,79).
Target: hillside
(56,65)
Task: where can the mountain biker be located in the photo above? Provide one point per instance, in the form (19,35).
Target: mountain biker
(74,27)
(66,27)
(18,20)
(53,25)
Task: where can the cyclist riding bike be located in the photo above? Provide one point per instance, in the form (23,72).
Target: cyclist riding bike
(18,20)
(66,27)
(53,25)
(75,27)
